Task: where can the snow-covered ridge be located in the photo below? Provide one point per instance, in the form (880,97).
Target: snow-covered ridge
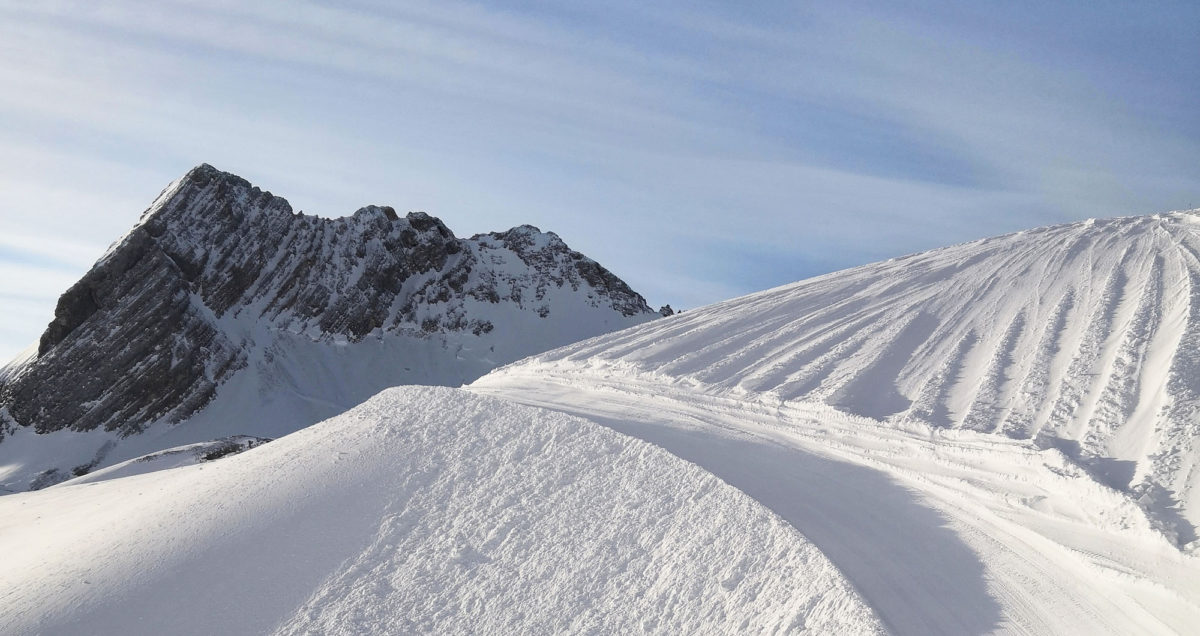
(1082,337)
(222,301)
(424,510)
(186,455)
(941,531)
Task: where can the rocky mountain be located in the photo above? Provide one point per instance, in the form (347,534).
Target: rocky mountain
(224,309)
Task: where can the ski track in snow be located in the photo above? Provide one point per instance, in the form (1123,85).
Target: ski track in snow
(941,532)
(1083,337)
(424,510)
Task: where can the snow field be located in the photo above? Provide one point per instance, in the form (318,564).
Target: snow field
(993,437)
(427,510)
(941,531)
(1081,337)
(177,457)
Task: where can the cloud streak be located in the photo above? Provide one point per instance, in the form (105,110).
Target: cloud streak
(816,137)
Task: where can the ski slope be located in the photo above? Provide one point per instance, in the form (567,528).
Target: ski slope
(1082,337)
(941,531)
(424,510)
(994,436)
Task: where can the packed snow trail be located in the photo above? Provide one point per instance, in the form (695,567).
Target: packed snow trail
(1083,337)
(950,532)
(424,510)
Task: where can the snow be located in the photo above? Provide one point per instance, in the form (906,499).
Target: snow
(996,437)
(186,455)
(421,510)
(21,359)
(23,451)
(940,531)
(1079,336)
(294,380)
(287,320)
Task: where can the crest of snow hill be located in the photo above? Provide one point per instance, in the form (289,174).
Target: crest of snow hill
(1081,337)
(220,278)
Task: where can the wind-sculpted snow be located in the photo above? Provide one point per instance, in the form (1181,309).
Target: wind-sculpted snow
(1081,337)
(222,298)
(424,510)
(941,531)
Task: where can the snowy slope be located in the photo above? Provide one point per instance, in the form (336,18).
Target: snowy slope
(223,312)
(187,455)
(1080,337)
(940,531)
(423,510)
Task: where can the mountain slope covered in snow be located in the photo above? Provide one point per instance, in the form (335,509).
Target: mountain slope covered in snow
(940,531)
(424,510)
(923,446)
(992,437)
(1080,337)
(224,313)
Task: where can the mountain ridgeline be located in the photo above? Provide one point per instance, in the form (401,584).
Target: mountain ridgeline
(221,283)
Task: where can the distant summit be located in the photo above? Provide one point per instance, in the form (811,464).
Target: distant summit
(222,298)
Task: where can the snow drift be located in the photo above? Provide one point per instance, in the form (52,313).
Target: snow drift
(422,510)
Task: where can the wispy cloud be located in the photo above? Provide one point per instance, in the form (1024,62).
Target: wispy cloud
(810,136)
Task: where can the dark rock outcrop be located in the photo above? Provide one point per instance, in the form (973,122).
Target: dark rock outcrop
(170,312)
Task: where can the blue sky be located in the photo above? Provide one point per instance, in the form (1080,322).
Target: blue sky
(699,150)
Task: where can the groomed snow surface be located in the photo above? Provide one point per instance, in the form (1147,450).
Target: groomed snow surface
(424,510)
(940,532)
(1080,337)
(995,436)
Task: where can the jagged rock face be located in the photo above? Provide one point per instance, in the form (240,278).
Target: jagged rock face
(175,307)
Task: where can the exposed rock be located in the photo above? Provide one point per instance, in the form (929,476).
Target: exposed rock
(170,312)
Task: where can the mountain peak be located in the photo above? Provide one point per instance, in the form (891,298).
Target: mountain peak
(385,212)
(221,284)
(205,173)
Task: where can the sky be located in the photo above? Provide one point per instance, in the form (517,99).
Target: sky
(698,150)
